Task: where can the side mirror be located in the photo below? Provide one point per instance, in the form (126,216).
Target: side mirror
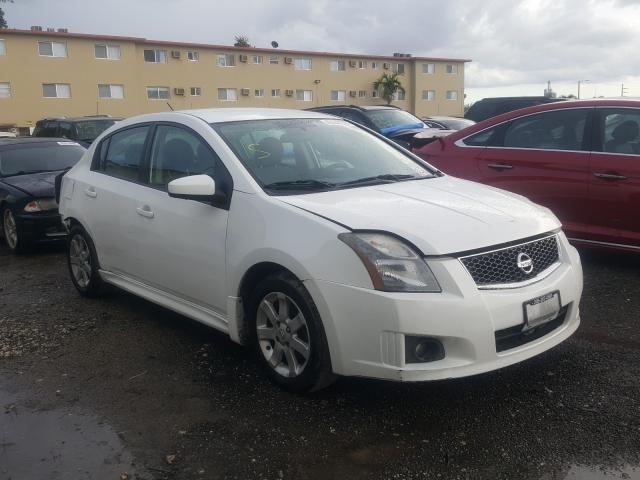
(196,187)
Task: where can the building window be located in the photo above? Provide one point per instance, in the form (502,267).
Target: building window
(304,95)
(196,91)
(3,48)
(5,90)
(227,94)
(108,52)
(56,90)
(374,65)
(428,68)
(52,49)
(303,63)
(452,69)
(257,59)
(362,64)
(362,93)
(452,95)
(259,92)
(429,95)
(157,93)
(399,68)
(337,95)
(274,60)
(155,56)
(275,92)
(111,91)
(375,94)
(226,60)
(193,56)
(337,66)
(399,95)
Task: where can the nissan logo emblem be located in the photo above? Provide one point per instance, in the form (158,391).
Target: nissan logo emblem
(525,263)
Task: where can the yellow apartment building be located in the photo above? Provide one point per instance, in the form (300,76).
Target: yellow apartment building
(56,73)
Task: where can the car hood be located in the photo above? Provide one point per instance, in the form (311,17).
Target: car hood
(440,215)
(35,184)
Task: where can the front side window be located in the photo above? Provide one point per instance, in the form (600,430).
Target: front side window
(226,60)
(5,90)
(56,90)
(338,95)
(121,154)
(52,49)
(304,95)
(177,153)
(303,64)
(115,92)
(620,131)
(155,56)
(193,56)
(452,95)
(108,52)
(485,138)
(337,66)
(428,68)
(320,153)
(557,130)
(157,93)
(227,94)
(452,69)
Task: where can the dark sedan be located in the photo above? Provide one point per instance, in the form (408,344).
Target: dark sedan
(28,167)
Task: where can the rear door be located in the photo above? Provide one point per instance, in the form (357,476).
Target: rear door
(545,157)
(614,188)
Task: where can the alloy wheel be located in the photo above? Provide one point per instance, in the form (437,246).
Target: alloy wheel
(80,260)
(283,334)
(10,229)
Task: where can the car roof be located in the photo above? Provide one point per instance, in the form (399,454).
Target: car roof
(357,107)
(79,119)
(220,115)
(26,140)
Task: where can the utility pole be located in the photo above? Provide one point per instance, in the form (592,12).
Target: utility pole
(579,82)
(623,90)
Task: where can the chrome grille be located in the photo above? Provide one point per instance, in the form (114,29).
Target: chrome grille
(499,267)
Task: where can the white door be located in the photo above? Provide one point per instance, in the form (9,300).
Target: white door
(182,242)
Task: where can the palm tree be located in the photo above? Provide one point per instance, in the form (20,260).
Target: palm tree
(390,84)
(242,41)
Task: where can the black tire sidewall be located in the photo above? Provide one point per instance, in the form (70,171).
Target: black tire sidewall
(319,366)
(95,282)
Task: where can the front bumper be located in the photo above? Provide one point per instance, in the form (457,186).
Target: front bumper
(366,329)
(41,226)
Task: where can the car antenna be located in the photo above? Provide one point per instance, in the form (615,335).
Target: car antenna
(170,106)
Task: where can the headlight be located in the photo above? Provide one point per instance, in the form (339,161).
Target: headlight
(392,265)
(41,205)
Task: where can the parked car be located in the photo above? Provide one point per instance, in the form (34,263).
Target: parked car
(447,123)
(327,248)
(28,167)
(83,130)
(392,122)
(7,135)
(491,107)
(581,159)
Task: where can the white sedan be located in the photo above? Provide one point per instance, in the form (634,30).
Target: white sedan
(328,249)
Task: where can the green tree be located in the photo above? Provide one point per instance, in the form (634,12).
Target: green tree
(3,22)
(389,83)
(242,41)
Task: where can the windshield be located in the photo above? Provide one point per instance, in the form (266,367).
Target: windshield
(316,154)
(90,129)
(389,119)
(46,157)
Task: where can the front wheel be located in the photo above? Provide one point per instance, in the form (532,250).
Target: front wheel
(83,263)
(12,232)
(288,335)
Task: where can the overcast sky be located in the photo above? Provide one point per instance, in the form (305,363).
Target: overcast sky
(515,45)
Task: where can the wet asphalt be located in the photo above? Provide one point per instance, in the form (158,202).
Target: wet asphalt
(118,388)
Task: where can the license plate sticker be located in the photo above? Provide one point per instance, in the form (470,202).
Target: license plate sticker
(541,309)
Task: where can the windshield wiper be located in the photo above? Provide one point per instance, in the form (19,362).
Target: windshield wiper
(386,178)
(309,184)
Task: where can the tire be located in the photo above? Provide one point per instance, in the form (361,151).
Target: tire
(12,232)
(283,320)
(82,261)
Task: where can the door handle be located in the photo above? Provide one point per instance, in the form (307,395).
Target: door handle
(609,176)
(145,211)
(90,192)
(499,166)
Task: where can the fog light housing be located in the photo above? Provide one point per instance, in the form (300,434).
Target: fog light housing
(422,349)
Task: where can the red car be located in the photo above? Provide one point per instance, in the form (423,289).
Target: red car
(581,159)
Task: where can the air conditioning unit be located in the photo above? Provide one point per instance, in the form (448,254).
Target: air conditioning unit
(352,63)
(386,66)
(36,28)
(51,29)
(288,60)
(243,58)
(352,93)
(245,92)
(178,91)
(288,93)
(175,54)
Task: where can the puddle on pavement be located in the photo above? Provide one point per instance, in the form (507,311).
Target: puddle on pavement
(57,444)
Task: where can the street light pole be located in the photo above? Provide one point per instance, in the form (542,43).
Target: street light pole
(579,82)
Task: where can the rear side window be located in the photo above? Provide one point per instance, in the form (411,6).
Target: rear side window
(554,130)
(620,131)
(122,153)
